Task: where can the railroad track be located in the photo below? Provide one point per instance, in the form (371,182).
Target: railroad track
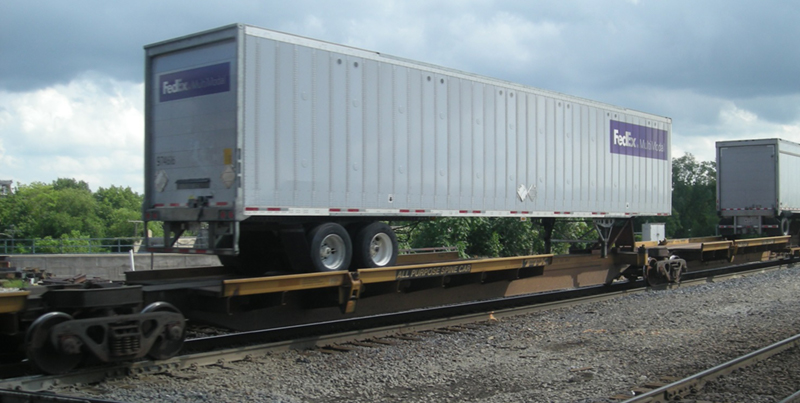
(692,385)
(205,351)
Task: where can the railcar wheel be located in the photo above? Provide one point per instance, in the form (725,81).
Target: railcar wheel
(331,247)
(653,277)
(170,339)
(43,354)
(375,245)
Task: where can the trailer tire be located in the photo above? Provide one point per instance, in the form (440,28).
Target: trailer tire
(375,245)
(330,247)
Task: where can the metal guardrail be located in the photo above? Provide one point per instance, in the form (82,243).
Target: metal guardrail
(69,245)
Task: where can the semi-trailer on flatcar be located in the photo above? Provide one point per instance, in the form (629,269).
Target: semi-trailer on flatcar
(756,186)
(292,152)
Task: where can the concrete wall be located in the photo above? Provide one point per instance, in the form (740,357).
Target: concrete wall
(108,266)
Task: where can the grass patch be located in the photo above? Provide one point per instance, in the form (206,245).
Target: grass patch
(14,283)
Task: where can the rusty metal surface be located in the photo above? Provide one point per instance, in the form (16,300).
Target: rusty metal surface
(294,282)
(569,271)
(307,281)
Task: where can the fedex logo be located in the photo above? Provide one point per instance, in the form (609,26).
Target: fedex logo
(624,141)
(178,86)
(195,82)
(638,141)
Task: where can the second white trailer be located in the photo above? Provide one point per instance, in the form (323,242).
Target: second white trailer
(756,191)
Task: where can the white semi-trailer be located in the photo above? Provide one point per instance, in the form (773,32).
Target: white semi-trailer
(756,186)
(289,150)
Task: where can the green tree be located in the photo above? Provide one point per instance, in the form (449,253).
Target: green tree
(68,207)
(118,207)
(74,242)
(61,209)
(694,189)
(70,183)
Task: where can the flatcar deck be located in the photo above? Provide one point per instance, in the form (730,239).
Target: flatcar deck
(13,301)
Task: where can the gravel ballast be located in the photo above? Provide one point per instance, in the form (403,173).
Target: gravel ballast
(586,353)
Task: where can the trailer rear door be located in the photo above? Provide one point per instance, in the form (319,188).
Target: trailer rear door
(746,178)
(192,125)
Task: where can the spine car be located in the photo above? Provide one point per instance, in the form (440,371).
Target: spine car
(755,186)
(285,151)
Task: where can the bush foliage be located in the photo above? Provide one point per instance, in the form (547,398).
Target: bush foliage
(67,209)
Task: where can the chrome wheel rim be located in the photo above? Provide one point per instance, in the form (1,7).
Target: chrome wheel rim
(332,252)
(380,249)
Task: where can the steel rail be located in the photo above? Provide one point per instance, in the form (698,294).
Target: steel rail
(16,396)
(695,382)
(795,397)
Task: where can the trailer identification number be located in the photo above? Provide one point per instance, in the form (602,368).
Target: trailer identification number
(433,271)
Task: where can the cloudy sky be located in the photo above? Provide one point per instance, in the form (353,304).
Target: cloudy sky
(71,72)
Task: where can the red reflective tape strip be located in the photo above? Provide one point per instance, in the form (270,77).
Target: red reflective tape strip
(251,209)
(463,211)
(174,204)
(352,210)
(405,211)
(158,205)
(222,203)
(419,211)
(335,210)
(476,211)
(273,209)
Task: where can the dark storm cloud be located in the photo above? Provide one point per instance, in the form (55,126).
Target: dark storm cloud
(48,42)
(741,50)
(723,48)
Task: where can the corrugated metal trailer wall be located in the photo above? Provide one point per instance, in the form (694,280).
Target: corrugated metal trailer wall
(330,126)
(757,177)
